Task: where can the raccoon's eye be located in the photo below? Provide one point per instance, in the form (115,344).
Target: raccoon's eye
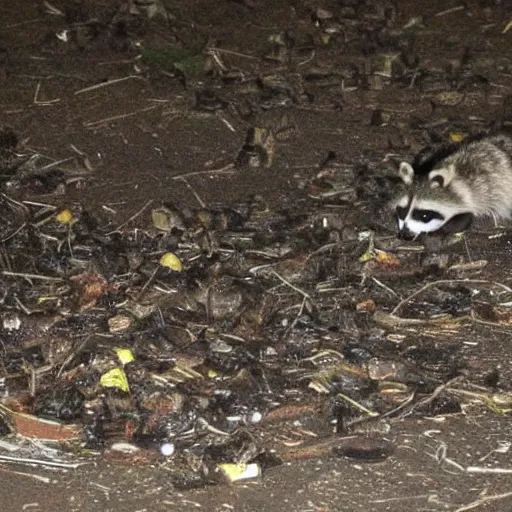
(401,212)
(426,216)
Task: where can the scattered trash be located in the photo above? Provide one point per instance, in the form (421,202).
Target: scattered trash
(236,472)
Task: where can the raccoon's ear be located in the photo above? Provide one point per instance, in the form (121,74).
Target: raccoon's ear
(406,172)
(441,177)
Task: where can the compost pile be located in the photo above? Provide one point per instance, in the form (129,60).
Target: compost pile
(209,337)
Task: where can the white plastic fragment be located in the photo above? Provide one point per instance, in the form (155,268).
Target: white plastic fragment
(124,448)
(167,449)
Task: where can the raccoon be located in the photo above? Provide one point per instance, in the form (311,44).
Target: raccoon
(445,187)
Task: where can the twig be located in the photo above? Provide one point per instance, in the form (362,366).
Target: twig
(287,283)
(31,276)
(133,217)
(440,457)
(429,399)
(489,471)
(483,501)
(211,428)
(196,195)
(387,288)
(42,205)
(309,59)
(50,9)
(146,284)
(107,84)
(53,464)
(27,22)
(14,233)
(390,320)
(413,78)
(449,11)
(401,498)
(43,479)
(392,412)
(231,52)
(479,321)
(120,116)
(72,356)
(446,281)
(472,265)
(358,406)
(227,123)
(221,170)
(36,97)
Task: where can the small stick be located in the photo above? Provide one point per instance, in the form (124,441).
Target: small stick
(146,284)
(446,281)
(227,123)
(43,479)
(72,355)
(211,428)
(429,399)
(51,165)
(229,167)
(287,283)
(36,97)
(358,406)
(402,498)
(449,11)
(231,52)
(120,116)
(42,205)
(492,471)
(14,233)
(106,84)
(50,9)
(483,501)
(28,22)
(53,464)
(31,276)
(133,217)
(387,288)
(196,195)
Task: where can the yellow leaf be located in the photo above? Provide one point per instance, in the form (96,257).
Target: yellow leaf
(170,260)
(125,355)
(367,256)
(456,136)
(65,217)
(385,258)
(115,378)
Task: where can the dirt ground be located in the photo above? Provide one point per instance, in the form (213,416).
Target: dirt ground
(148,127)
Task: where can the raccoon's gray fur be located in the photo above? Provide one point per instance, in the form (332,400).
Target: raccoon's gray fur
(470,178)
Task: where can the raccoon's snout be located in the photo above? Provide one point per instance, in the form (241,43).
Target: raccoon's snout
(403,231)
(405,234)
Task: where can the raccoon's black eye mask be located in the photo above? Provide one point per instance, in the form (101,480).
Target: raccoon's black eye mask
(401,212)
(426,216)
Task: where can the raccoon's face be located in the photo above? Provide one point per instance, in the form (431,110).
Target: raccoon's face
(427,205)
(415,217)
